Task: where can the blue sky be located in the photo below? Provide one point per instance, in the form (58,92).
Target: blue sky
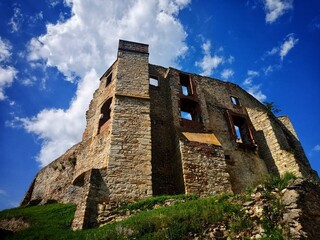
(52,53)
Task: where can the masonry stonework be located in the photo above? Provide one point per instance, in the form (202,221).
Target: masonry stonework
(178,133)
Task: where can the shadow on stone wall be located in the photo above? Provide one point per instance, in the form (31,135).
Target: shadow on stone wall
(265,153)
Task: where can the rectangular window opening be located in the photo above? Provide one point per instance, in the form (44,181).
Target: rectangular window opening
(186,115)
(238,133)
(185,91)
(186,84)
(190,110)
(153,81)
(109,78)
(105,114)
(241,130)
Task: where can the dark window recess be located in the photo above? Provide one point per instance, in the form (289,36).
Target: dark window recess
(190,110)
(79,181)
(235,101)
(186,85)
(109,78)
(153,81)
(241,130)
(105,113)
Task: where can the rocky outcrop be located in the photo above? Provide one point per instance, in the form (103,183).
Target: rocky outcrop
(290,213)
(9,226)
(302,210)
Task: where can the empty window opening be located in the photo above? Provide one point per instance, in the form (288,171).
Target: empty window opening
(105,113)
(186,85)
(235,101)
(238,134)
(185,115)
(109,78)
(190,110)
(241,130)
(153,81)
(184,90)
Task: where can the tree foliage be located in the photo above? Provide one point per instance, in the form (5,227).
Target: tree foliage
(272,107)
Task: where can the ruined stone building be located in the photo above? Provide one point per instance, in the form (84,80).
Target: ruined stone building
(153,130)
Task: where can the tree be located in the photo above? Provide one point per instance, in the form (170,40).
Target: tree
(272,107)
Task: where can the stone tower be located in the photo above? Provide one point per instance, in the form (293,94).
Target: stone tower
(153,130)
(118,133)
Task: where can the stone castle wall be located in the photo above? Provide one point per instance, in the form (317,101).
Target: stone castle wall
(186,134)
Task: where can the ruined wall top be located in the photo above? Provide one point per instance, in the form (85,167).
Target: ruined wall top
(132,47)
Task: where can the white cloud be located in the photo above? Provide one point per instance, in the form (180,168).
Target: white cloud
(53,3)
(230,60)
(288,44)
(7,73)
(227,73)
(276,8)
(316,148)
(283,49)
(16,20)
(5,48)
(252,73)
(268,69)
(60,129)
(85,45)
(209,62)
(273,51)
(3,193)
(86,40)
(253,89)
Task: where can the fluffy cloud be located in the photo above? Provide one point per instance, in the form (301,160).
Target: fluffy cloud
(208,63)
(283,49)
(227,73)
(276,8)
(253,89)
(86,40)
(7,73)
(85,45)
(5,49)
(59,129)
(287,45)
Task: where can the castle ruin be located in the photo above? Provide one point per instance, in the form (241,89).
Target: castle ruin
(153,130)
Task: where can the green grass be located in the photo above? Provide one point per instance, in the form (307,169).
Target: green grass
(188,214)
(149,203)
(50,221)
(281,182)
(174,222)
(53,221)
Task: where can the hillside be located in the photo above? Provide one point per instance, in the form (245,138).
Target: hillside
(284,208)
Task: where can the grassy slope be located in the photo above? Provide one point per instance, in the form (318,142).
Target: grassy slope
(188,215)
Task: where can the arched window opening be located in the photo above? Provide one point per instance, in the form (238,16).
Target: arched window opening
(105,114)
